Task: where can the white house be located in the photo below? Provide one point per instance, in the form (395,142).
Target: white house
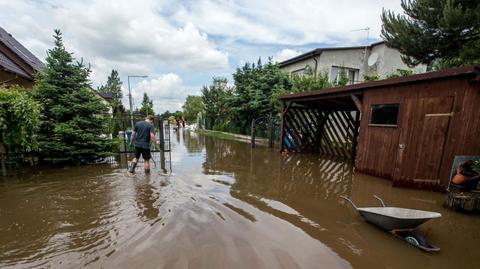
(376,58)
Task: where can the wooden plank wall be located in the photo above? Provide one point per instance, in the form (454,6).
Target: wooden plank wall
(464,137)
(378,148)
(331,133)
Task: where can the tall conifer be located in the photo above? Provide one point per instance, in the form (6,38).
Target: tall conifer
(72,128)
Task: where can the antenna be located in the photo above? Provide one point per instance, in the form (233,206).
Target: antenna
(366,29)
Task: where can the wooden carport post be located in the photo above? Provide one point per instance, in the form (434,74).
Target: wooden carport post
(3,154)
(285,109)
(356,124)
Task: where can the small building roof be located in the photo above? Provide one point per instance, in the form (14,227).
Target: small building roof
(318,51)
(339,97)
(106,95)
(18,49)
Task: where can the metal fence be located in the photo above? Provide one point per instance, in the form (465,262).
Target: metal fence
(121,126)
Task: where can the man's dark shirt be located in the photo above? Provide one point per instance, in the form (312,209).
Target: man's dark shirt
(142,134)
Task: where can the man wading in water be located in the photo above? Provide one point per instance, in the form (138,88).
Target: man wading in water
(141,137)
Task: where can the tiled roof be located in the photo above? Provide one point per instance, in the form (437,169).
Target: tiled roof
(11,43)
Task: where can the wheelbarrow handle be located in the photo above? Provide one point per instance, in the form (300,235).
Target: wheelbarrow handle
(348,199)
(379,199)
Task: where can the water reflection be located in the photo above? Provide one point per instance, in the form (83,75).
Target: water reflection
(225,205)
(304,189)
(147,198)
(58,221)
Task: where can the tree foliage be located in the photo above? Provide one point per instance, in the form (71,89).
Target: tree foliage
(254,94)
(72,129)
(19,121)
(216,101)
(113,87)
(192,106)
(147,105)
(443,33)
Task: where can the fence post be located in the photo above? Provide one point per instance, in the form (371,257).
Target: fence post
(121,137)
(270,132)
(161,136)
(3,154)
(253,133)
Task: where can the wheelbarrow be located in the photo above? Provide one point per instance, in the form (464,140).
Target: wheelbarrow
(400,222)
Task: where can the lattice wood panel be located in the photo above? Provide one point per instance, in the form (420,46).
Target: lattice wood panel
(328,132)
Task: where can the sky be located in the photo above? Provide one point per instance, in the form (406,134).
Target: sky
(181,45)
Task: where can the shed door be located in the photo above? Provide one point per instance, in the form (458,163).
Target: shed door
(422,139)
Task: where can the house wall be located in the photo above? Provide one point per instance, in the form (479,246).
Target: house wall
(389,61)
(9,79)
(379,153)
(351,58)
(299,65)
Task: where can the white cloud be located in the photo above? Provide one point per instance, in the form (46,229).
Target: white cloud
(288,22)
(194,38)
(129,37)
(167,92)
(285,54)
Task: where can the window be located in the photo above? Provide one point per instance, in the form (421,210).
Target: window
(384,114)
(351,76)
(307,70)
(351,73)
(298,72)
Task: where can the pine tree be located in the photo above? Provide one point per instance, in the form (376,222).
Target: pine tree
(147,106)
(440,33)
(72,130)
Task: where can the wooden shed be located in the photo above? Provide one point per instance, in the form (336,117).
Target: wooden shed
(406,129)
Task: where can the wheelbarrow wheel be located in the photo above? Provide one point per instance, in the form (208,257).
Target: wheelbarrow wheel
(416,239)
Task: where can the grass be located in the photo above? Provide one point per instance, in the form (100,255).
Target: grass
(219,134)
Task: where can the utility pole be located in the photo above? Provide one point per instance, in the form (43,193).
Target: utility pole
(130,97)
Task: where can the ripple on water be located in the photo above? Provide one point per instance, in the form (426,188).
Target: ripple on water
(77,213)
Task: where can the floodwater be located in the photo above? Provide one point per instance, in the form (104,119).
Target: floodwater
(217,203)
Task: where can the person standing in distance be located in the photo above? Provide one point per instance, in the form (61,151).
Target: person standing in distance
(141,137)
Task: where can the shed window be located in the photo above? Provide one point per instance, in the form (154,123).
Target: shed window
(384,114)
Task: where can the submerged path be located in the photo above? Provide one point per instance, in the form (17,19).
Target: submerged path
(222,205)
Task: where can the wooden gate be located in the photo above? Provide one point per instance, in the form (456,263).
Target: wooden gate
(422,139)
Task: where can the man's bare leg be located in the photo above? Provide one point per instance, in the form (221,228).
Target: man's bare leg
(146,166)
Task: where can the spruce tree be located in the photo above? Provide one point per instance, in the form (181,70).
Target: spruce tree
(439,33)
(72,128)
(113,87)
(147,106)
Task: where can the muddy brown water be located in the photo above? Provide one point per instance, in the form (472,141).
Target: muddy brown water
(217,203)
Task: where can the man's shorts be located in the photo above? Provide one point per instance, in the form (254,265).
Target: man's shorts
(144,152)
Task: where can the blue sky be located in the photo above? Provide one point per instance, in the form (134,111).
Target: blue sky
(181,45)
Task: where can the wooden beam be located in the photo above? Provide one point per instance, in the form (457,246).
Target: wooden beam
(282,127)
(357,102)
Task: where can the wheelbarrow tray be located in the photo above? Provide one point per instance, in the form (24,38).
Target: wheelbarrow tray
(396,218)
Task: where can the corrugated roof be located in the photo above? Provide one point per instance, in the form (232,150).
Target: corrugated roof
(452,72)
(15,46)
